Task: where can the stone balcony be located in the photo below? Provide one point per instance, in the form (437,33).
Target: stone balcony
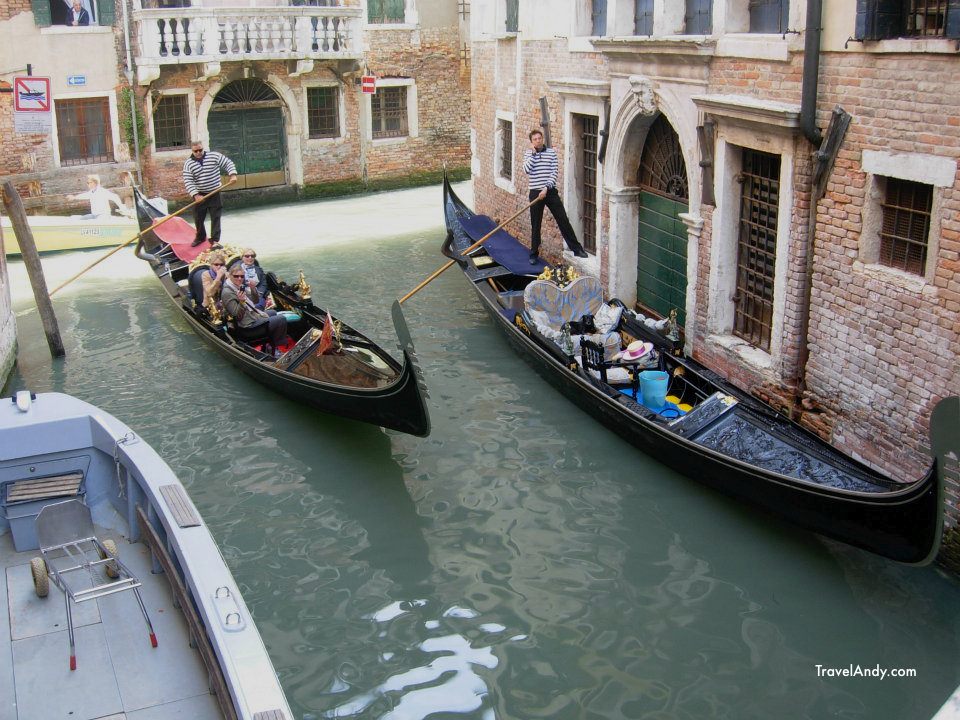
(210,36)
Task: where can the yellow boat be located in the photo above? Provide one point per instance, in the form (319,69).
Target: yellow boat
(53,233)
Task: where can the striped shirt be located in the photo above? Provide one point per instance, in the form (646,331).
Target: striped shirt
(203,176)
(542,167)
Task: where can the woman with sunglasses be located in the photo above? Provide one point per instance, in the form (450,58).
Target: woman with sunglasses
(239,298)
(212,279)
(254,272)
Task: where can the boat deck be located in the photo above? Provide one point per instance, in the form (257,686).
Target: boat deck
(119,676)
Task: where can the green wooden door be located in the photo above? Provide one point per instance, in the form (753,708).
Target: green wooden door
(662,256)
(254,139)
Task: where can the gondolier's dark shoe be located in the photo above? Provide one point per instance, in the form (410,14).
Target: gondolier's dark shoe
(198,241)
(534,258)
(581,253)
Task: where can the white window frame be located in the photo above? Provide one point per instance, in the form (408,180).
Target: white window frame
(934,170)
(341,112)
(183,152)
(498,179)
(413,121)
(114,122)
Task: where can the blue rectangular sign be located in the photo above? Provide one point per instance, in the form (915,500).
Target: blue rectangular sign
(76,80)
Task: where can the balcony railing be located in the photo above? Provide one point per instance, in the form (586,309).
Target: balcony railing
(174,36)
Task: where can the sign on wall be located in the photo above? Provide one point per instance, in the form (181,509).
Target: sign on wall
(31,104)
(76,79)
(31,94)
(368,84)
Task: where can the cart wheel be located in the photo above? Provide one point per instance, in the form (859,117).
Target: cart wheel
(41,583)
(111,568)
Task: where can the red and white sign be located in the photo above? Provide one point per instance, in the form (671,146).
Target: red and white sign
(31,94)
(368,84)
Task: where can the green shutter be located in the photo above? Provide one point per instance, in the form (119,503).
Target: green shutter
(374,10)
(106,12)
(41,12)
(395,10)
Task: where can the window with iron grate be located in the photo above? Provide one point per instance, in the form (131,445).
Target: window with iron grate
(171,123)
(757,247)
(905,227)
(884,19)
(389,112)
(83,131)
(323,115)
(587,132)
(505,149)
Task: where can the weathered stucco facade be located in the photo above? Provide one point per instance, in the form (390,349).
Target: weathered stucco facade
(858,348)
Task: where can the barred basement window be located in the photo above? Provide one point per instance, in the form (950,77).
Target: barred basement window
(389,111)
(505,149)
(757,247)
(171,125)
(323,116)
(906,225)
(926,18)
(587,128)
(83,131)
(385,11)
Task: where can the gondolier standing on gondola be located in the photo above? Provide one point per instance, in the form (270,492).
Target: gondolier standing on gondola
(541,166)
(201,176)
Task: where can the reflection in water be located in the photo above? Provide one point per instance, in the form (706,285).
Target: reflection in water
(521,562)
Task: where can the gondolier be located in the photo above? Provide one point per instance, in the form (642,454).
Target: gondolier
(201,176)
(541,165)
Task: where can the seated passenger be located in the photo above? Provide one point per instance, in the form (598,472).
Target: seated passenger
(239,298)
(212,279)
(254,272)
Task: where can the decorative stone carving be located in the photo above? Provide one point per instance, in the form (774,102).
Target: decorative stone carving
(146,73)
(642,88)
(208,70)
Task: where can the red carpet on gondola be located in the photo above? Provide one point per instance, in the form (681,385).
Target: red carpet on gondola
(178,233)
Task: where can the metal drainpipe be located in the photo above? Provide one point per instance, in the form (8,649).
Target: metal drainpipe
(128,73)
(808,124)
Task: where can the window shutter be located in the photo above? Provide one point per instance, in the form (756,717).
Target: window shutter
(395,10)
(599,28)
(879,19)
(41,12)
(513,15)
(953,19)
(106,12)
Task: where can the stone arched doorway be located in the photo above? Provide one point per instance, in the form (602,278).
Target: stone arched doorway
(661,234)
(246,124)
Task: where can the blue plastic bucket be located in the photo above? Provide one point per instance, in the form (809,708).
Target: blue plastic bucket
(653,388)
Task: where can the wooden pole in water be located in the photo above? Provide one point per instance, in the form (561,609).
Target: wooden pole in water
(31,259)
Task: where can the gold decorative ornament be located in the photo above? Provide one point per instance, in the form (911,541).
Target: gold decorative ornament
(302,288)
(561,275)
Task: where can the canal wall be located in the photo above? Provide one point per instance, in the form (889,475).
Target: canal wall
(8,321)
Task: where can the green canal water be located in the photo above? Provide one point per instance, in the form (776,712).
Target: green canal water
(521,562)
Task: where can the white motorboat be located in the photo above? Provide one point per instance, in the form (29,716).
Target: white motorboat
(89,510)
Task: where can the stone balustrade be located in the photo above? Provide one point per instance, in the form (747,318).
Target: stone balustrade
(211,36)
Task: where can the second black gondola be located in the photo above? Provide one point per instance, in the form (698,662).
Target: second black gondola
(357,380)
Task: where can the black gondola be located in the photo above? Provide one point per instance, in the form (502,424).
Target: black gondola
(360,380)
(727,439)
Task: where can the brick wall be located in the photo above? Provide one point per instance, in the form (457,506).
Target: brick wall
(12,8)
(881,351)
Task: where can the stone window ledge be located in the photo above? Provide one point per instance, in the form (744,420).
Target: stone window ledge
(943,46)
(751,356)
(70,30)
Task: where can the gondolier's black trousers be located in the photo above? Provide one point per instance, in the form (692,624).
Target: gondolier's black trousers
(552,201)
(213,205)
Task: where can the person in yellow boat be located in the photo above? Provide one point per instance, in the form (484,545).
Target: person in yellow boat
(100,200)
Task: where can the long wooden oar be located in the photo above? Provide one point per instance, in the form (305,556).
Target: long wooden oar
(473,247)
(139,235)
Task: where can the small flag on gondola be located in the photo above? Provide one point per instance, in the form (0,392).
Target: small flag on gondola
(327,346)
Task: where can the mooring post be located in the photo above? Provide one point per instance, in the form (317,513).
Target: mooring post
(31,259)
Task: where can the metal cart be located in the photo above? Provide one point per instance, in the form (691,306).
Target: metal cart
(72,557)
